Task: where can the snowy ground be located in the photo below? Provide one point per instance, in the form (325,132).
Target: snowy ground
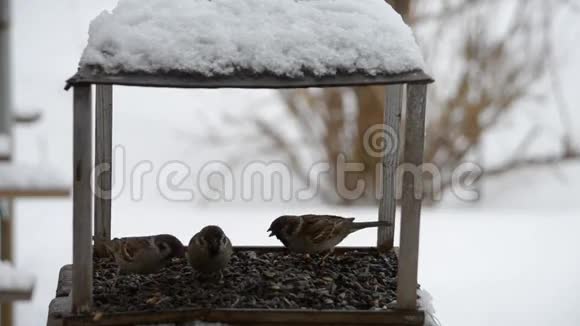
(507,260)
(501,262)
(484,266)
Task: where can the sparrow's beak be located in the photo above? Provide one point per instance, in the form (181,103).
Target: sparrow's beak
(271,233)
(213,247)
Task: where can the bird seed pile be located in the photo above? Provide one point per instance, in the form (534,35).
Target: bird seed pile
(351,281)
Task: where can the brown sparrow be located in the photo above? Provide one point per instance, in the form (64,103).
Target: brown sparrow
(144,255)
(210,250)
(316,233)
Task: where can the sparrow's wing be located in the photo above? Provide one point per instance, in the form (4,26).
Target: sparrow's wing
(321,228)
(112,246)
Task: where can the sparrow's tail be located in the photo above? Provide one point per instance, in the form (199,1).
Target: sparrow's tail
(363,225)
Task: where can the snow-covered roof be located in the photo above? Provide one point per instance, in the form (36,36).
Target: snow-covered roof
(285,38)
(14,284)
(17,179)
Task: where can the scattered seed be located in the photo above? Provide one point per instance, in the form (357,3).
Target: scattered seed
(351,281)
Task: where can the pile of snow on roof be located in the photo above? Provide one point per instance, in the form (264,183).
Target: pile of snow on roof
(282,37)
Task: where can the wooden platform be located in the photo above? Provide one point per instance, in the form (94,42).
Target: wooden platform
(11,296)
(60,311)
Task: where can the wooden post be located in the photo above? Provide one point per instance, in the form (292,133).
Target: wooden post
(5,91)
(388,202)
(82,279)
(103,166)
(411,201)
(6,227)
(6,254)
(6,219)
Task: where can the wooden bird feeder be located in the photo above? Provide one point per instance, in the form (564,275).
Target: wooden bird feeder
(74,304)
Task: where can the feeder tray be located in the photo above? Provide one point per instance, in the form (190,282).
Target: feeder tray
(262,285)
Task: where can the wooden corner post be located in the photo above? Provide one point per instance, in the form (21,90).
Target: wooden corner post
(6,251)
(412,196)
(388,201)
(103,165)
(82,278)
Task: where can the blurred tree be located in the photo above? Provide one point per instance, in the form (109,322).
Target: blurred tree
(487,56)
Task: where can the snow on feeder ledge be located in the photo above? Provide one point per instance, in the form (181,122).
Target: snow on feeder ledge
(15,285)
(246,44)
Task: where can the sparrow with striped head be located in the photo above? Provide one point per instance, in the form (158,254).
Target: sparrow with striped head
(210,250)
(144,255)
(313,234)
